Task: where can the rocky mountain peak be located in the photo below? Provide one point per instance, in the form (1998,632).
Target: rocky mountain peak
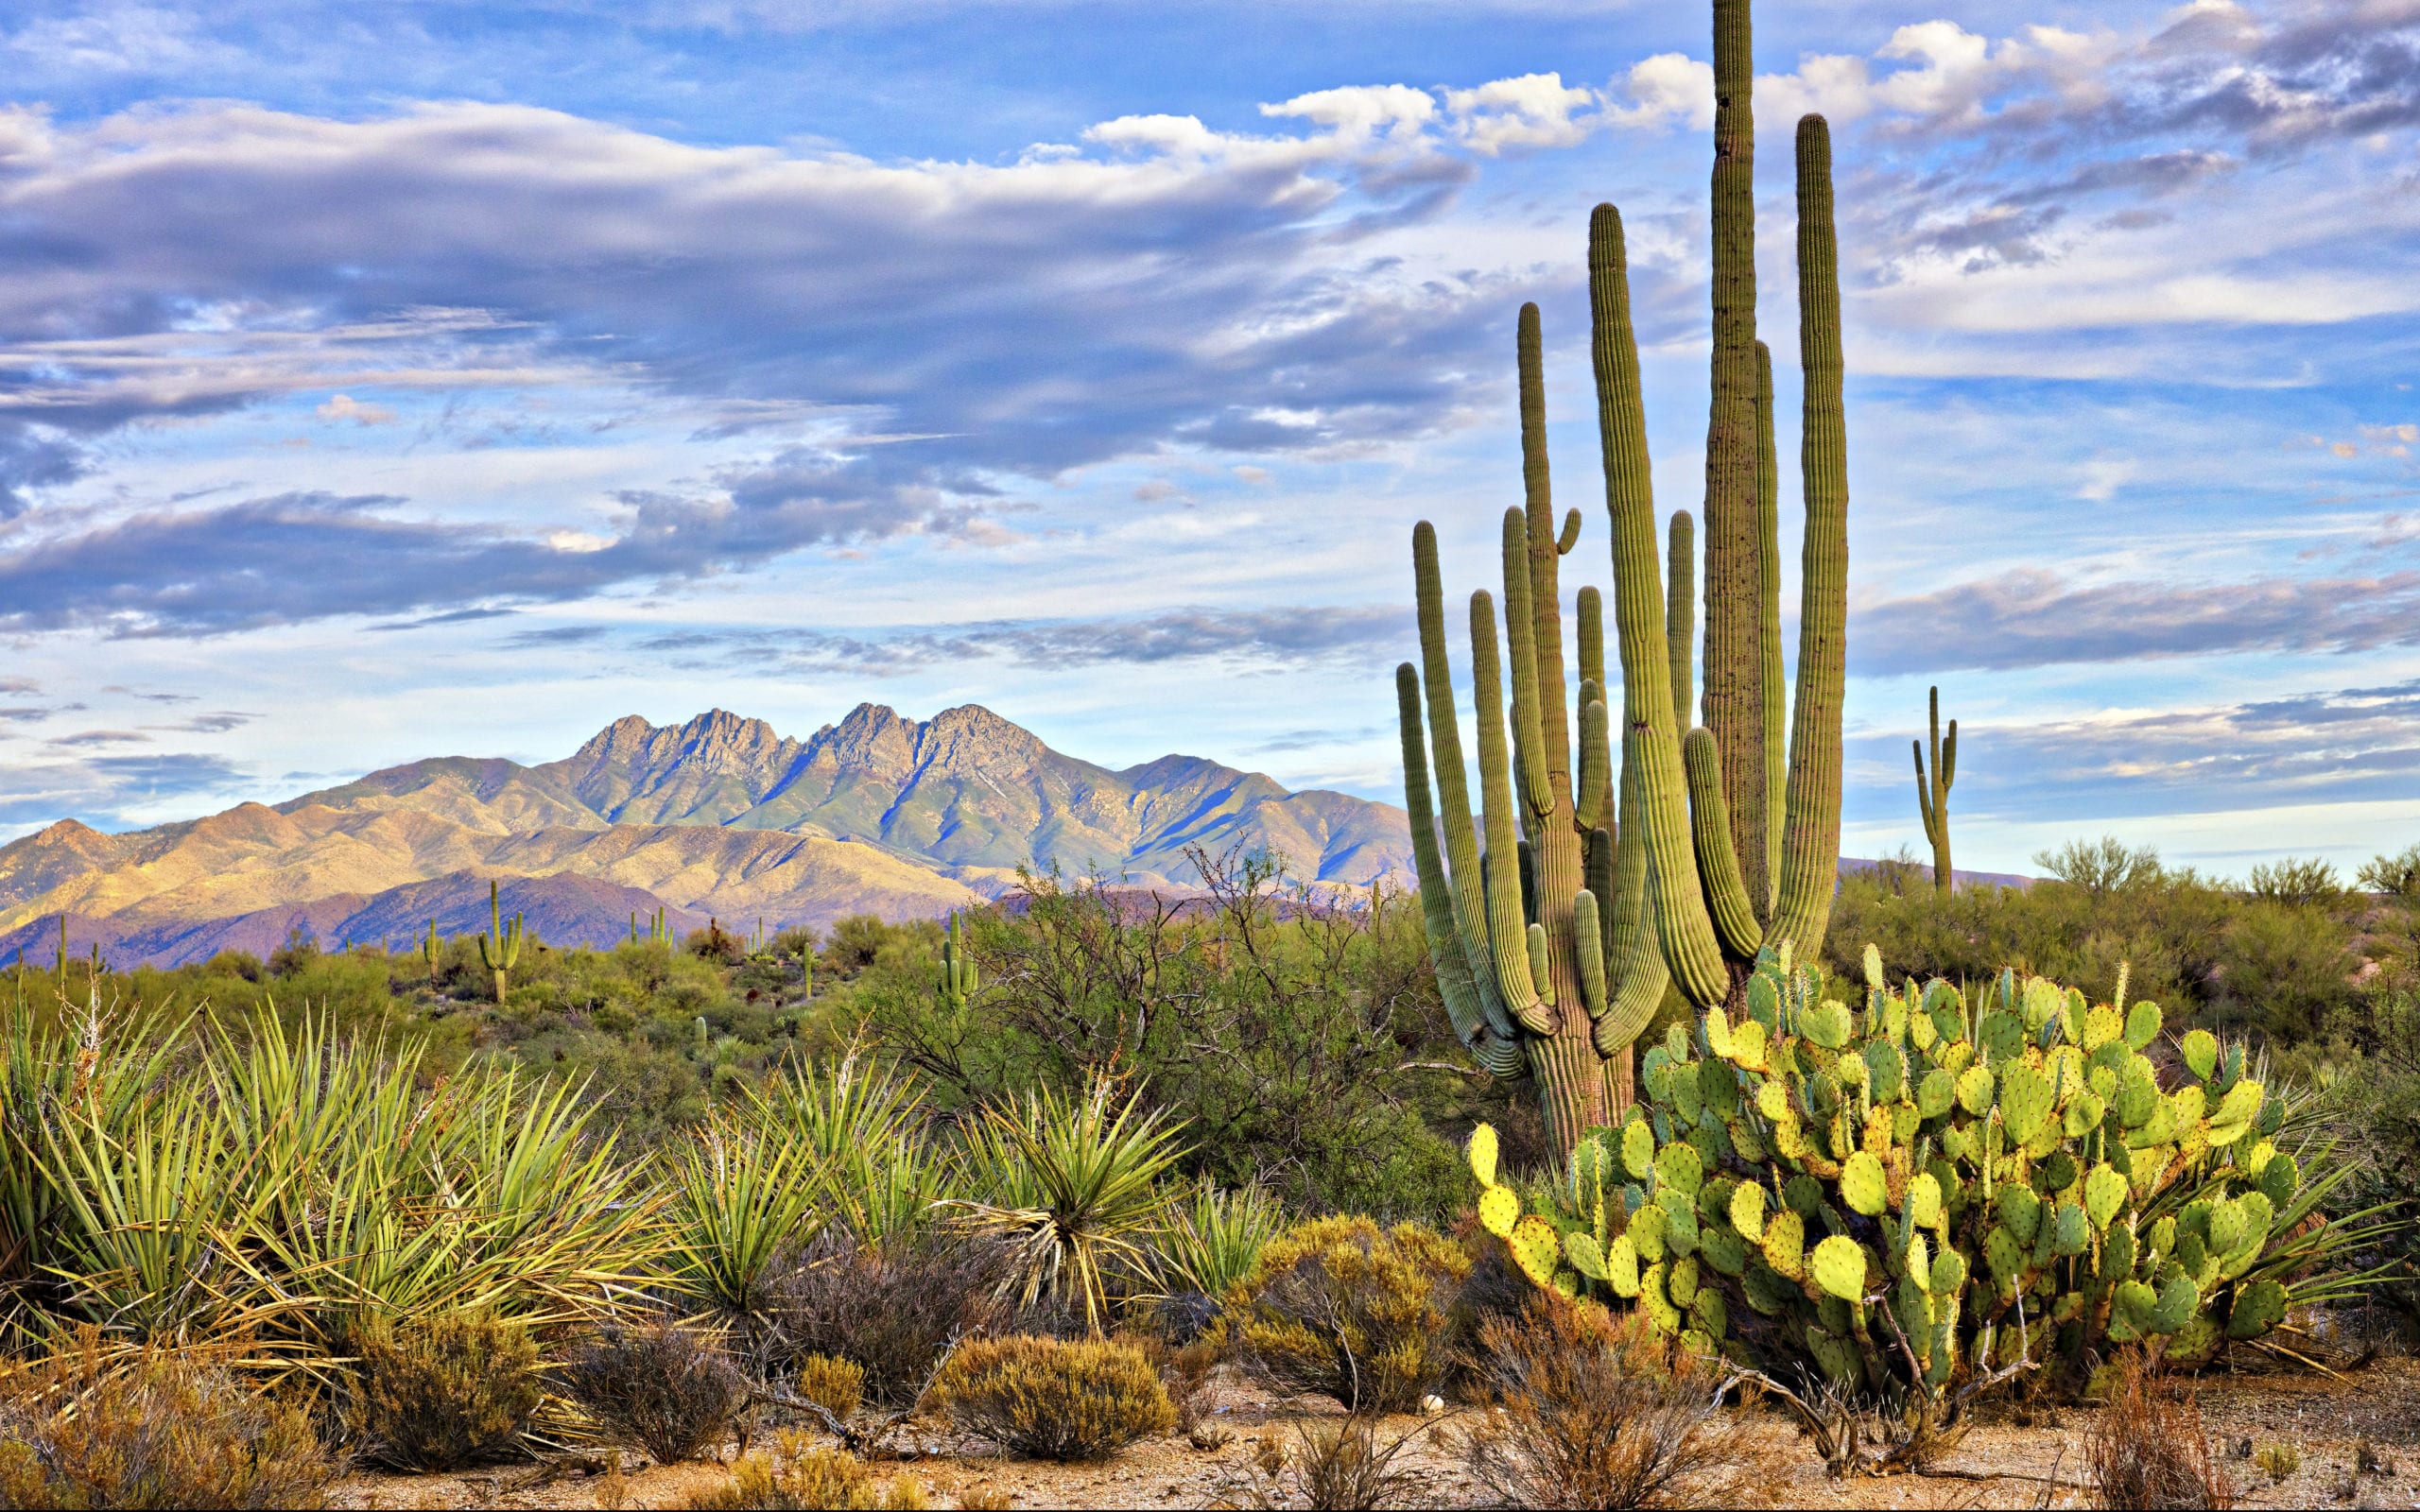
(971,736)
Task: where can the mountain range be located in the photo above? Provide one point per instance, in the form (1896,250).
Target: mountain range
(719,816)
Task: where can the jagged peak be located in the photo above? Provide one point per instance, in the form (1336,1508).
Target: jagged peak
(630,728)
(66,830)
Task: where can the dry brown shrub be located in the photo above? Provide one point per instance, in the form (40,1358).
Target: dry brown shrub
(796,1475)
(1054,1399)
(449,1391)
(660,1389)
(1581,1409)
(891,1310)
(87,1428)
(985,1498)
(1342,1466)
(2146,1448)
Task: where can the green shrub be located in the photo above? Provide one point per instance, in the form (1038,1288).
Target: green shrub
(1341,1307)
(660,1389)
(82,1429)
(456,1390)
(1054,1399)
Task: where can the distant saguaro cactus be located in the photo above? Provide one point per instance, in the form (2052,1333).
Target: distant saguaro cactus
(428,952)
(501,947)
(958,976)
(1934,800)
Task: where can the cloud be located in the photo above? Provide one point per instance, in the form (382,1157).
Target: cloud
(1534,110)
(103,737)
(344,406)
(2034,617)
(554,636)
(210,724)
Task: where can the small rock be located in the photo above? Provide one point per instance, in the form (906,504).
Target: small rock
(1432,1404)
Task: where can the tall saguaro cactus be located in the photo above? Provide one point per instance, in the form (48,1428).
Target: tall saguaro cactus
(500,948)
(1719,851)
(1934,800)
(958,976)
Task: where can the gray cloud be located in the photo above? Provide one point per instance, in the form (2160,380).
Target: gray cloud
(103,737)
(2034,617)
(1284,637)
(556,635)
(210,724)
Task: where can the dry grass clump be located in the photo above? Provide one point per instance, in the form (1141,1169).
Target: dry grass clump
(666,1390)
(838,1386)
(2146,1448)
(1054,1399)
(797,1475)
(1341,1466)
(86,1428)
(1582,1409)
(445,1392)
(891,1310)
(1342,1308)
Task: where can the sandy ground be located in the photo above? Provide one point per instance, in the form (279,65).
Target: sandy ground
(2017,1458)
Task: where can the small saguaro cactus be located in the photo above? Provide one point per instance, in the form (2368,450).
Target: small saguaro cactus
(806,969)
(501,947)
(958,976)
(62,953)
(428,952)
(1934,800)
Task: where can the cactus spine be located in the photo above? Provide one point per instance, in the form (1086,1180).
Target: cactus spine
(501,946)
(1934,800)
(958,976)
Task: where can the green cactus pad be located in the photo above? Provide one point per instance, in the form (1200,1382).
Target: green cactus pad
(1717,1026)
(1864,1185)
(1827,1024)
(1711,1314)
(1722,1247)
(2200,1052)
(1936,1092)
(2178,1300)
(2225,1227)
(1923,1202)
(2279,1178)
(1678,1168)
(1768,1291)
(2024,1102)
(1773,1099)
(1764,1002)
(2071,1235)
(1949,1271)
(2104,1192)
(1886,1070)
(1681,1280)
(2236,1110)
(2134,1302)
(1749,1045)
(1655,1304)
(2020,1212)
(2273,1117)
(2003,1036)
(1480,1152)
(1682,1082)
(1646,1230)
(1719,1087)
(1803,1195)
(1681,1228)
(1975,1088)
(2142,1025)
(2194,1258)
(1836,1358)
(2003,1254)
(1838,1265)
(2085,1114)
(1638,1150)
(1536,1248)
(2056,1173)
(1621,1266)
(1499,1208)
(2117,1254)
(2101,1025)
(1785,1244)
(1579,1247)
(1748,1210)
(1918,1260)
(2258,1308)
(2138,1101)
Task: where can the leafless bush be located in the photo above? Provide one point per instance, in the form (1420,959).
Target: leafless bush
(1582,1410)
(891,1310)
(661,1388)
(2147,1449)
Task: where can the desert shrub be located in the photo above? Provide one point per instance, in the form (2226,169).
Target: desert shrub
(890,1308)
(797,1475)
(80,1429)
(1214,1238)
(2146,1448)
(1341,1466)
(838,1386)
(1054,1399)
(661,1388)
(1590,1411)
(1343,1308)
(456,1390)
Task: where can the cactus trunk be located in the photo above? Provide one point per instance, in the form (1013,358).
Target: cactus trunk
(1934,801)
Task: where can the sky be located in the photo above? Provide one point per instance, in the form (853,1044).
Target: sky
(388,380)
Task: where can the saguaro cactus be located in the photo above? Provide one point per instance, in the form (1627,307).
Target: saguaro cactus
(958,976)
(1692,891)
(428,952)
(501,946)
(1934,801)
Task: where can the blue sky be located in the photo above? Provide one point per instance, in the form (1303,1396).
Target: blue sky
(380,381)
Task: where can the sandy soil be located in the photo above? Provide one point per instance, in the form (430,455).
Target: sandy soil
(2012,1458)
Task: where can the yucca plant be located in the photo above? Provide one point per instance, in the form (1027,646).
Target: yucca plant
(1214,1236)
(742,1196)
(1073,1189)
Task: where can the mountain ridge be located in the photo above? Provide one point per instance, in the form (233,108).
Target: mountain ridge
(719,814)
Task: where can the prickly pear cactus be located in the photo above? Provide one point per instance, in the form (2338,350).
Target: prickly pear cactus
(1929,1183)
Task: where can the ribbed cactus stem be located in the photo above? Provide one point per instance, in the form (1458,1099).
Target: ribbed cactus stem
(1690,950)
(428,952)
(1453,791)
(1811,848)
(1587,934)
(1933,799)
(1507,930)
(1428,862)
(1726,895)
(1776,691)
(500,946)
(1681,616)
